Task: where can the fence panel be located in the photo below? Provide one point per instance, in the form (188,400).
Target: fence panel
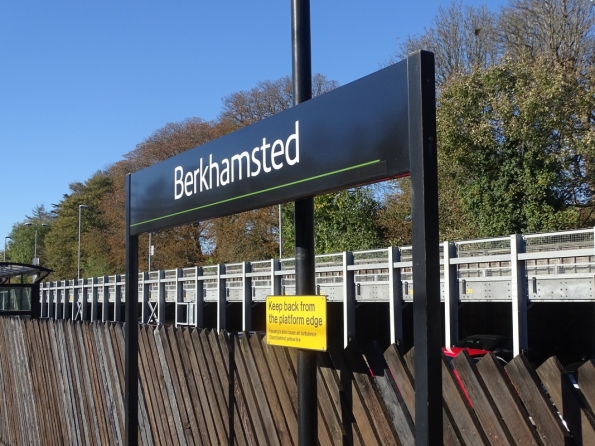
(62,383)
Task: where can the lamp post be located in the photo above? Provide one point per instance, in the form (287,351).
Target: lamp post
(150,250)
(35,259)
(81,207)
(8,236)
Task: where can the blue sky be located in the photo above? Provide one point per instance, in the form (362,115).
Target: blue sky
(84,81)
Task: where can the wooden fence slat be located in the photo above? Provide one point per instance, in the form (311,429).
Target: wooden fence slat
(8,387)
(79,383)
(186,383)
(527,385)
(4,420)
(158,392)
(35,364)
(13,380)
(277,373)
(18,409)
(189,422)
(220,376)
(234,399)
(51,386)
(38,396)
(289,374)
(353,397)
(485,409)
(218,348)
(579,418)
(64,377)
(324,437)
(160,395)
(392,400)
(378,412)
(115,337)
(259,386)
(467,423)
(95,400)
(451,434)
(341,422)
(88,396)
(262,368)
(151,389)
(213,389)
(237,403)
(506,399)
(41,391)
(99,391)
(258,424)
(585,378)
(402,376)
(110,350)
(171,411)
(27,417)
(114,385)
(174,410)
(208,432)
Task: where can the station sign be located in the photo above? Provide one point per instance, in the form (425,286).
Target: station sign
(356,134)
(297,321)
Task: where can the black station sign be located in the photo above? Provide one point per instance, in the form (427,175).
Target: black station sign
(353,135)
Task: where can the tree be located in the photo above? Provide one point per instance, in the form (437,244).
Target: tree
(463,39)
(515,116)
(251,235)
(346,220)
(519,148)
(556,32)
(21,247)
(62,240)
(266,99)
(394,217)
(175,247)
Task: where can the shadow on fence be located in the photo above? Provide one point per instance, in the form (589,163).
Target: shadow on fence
(62,383)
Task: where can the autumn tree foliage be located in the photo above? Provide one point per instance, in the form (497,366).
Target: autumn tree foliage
(516,153)
(175,247)
(249,236)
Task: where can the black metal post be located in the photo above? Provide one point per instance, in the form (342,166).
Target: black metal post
(427,329)
(304,228)
(131,330)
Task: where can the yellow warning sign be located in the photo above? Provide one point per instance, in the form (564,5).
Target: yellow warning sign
(297,321)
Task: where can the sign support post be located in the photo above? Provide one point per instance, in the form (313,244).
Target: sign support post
(304,228)
(425,245)
(131,330)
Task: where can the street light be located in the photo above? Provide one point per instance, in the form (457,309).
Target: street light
(150,250)
(35,259)
(81,206)
(5,246)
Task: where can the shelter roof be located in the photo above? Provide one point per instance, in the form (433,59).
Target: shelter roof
(9,269)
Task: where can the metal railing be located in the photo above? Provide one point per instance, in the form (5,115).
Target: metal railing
(551,267)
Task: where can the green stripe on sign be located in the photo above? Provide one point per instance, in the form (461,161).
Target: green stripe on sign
(227,200)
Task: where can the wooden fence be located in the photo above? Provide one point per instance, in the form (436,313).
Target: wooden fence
(62,384)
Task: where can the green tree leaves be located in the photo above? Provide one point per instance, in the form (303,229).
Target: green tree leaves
(517,147)
(343,221)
